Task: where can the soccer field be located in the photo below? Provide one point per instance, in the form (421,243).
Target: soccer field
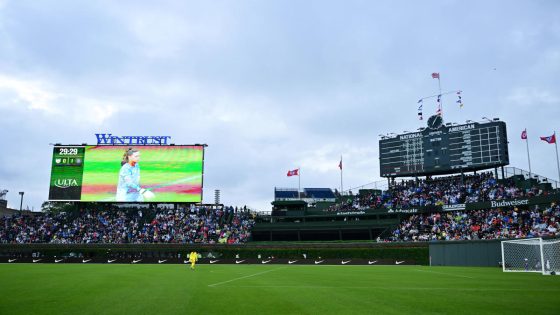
(272,289)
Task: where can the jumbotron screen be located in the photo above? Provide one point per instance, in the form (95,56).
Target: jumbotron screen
(444,149)
(127,173)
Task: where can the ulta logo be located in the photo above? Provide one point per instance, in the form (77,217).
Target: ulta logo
(66,182)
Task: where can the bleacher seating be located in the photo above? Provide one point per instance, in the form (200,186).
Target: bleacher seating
(319,193)
(285,194)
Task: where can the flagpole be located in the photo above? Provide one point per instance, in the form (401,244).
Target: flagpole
(440,98)
(299,182)
(528,155)
(557,162)
(341,186)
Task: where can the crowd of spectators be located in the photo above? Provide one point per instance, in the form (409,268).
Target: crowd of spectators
(204,225)
(440,191)
(480,224)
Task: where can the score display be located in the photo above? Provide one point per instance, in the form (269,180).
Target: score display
(116,173)
(441,149)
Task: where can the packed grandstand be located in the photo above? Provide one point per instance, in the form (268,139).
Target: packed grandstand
(210,224)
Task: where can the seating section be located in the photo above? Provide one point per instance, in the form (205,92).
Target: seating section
(202,225)
(319,193)
(480,224)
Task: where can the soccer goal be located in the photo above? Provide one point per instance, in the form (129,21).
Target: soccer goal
(531,255)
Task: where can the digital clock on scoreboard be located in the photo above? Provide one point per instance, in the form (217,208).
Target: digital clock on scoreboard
(441,149)
(68,151)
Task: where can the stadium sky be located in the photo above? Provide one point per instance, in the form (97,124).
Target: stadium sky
(269,85)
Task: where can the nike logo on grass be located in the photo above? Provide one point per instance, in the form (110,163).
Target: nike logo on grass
(371,262)
(398,262)
(318,262)
(110,261)
(136,261)
(58,260)
(11,260)
(345,262)
(36,260)
(239,261)
(266,261)
(85,260)
(213,261)
(161,261)
(291,262)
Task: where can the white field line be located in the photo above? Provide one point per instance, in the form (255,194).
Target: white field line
(445,274)
(253,275)
(389,288)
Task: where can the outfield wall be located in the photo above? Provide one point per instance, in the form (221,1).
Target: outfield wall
(332,253)
(486,253)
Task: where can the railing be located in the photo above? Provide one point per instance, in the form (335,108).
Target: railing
(380,184)
(512,171)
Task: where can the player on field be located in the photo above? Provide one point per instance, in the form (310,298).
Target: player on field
(193,257)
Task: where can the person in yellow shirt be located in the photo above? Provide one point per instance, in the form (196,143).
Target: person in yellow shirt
(193,257)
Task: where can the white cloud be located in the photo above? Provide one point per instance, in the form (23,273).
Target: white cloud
(165,32)
(50,100)
(267,86)
(532,96)
(32,93)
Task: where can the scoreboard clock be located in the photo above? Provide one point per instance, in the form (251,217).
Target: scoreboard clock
(444,149)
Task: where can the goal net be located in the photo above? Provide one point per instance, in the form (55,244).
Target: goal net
(531,255)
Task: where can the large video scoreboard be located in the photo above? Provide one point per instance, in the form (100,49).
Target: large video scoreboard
(440,149)
(118,173)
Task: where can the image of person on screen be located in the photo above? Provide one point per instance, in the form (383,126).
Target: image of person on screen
(128,188)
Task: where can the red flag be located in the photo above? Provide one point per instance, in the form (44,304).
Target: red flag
(550,139)
(340,164)
(524,134)
(435,75)
(293,173)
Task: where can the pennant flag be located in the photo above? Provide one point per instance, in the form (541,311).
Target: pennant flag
(435,75)
(550,139)
(420,109)
(460,101)
(293,173)
(340,164)
(439,111)
(524,134)
(420,100)
(439,98)
(420,117)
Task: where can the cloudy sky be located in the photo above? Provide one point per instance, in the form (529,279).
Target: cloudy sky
(268,85)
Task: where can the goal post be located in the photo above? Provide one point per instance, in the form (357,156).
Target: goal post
(531,255)
(551,256)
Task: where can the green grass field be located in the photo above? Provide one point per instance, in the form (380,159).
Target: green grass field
(272,289)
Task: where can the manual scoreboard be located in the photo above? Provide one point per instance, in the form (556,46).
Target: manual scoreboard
(440,149)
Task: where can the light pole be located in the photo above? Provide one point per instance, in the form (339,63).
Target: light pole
(21,202)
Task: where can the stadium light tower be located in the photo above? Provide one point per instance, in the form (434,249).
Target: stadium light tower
(21,202)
